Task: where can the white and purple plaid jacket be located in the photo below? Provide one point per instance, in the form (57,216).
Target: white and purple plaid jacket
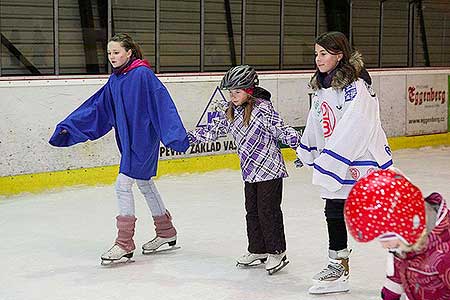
(257,144)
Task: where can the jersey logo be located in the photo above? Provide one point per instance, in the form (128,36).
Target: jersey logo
(350,92)
(328,119)
(354,172)
(388,150)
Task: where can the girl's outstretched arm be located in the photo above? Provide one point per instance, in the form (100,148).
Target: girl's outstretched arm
(92,120)
(218,127)
(275,124)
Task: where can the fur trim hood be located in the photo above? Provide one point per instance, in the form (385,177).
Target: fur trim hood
(343,77)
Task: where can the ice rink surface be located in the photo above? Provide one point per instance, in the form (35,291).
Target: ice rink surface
(51,243)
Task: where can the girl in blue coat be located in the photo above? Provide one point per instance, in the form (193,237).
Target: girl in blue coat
(143,114)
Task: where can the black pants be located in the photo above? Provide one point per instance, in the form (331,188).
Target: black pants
(337,232)
(265,230)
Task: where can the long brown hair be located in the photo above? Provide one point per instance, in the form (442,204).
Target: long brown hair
(248,108)
(336,42)
(127,42)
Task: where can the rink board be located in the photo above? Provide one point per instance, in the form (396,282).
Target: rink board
(31,107)
(38,182)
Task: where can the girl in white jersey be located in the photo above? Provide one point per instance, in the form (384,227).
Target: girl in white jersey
(343,141)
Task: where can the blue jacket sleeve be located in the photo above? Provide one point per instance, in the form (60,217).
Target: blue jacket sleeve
(92,120)
(164,115)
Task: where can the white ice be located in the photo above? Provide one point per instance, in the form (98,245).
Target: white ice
(51,242)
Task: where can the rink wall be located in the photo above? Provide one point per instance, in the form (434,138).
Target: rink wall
(414,107)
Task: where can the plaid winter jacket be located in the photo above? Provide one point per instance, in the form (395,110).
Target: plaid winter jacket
(257,143)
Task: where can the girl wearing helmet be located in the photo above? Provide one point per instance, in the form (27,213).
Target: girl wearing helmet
(256,128)
(387,206)
(343,140)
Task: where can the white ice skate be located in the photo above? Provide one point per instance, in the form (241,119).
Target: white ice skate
(115,254)
(334,277)
(251,259)
(154,246)
(276,262)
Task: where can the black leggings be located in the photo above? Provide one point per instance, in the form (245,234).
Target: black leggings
(265,229)
(337,232)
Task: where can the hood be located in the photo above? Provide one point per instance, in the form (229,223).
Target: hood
(132,64)
(261,93)
(438,220)
(341,78)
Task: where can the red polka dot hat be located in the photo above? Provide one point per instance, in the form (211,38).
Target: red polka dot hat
(385,203)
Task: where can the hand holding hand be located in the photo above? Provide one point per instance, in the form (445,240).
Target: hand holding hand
(298,163)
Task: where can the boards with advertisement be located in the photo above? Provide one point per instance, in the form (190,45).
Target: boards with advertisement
(223,145)
(427,104)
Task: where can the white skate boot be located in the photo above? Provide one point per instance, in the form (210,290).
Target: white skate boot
(276,262)
(114,254)
(251,259)
(334,277)
(154,245)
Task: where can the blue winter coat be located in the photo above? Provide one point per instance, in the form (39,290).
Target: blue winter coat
(142,113)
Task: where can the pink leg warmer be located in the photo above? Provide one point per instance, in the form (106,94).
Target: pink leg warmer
(164,226)
(125,233)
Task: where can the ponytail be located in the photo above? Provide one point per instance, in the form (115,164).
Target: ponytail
(128,43)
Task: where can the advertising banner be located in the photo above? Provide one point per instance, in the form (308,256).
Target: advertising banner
(224,144)
(426,104)
(411,103)
(290,96)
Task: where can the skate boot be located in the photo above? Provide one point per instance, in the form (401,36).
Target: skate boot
(124,245)
(153,245)
(334,277)
(165,235)
(114,254)
(251,259)
(276,262)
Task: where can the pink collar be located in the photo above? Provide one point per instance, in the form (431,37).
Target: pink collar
(136,63)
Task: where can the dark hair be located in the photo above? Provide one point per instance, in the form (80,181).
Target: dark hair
(128,43)
(336,42)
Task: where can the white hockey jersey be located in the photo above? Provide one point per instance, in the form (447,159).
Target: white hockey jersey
(343,139)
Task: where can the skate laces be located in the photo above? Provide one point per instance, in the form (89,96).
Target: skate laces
(332,270)
(251,255)
(277,256)
(114,250)
(155,240)
(152,243)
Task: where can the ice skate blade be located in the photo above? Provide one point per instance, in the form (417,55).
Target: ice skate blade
(115,262)
(159,250)
(278,268)
(329,288)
